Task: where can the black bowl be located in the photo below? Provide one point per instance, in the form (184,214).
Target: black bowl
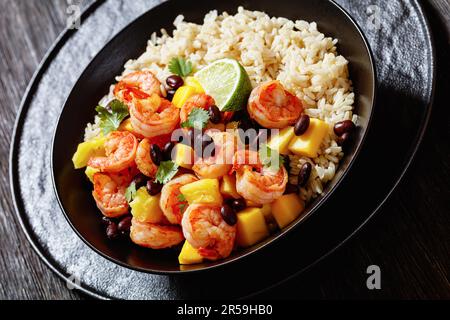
(74,191)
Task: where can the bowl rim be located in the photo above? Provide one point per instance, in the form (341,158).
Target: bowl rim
(209,266)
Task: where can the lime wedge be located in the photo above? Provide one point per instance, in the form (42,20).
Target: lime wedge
(227,82)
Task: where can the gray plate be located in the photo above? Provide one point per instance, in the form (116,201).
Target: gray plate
(404,57)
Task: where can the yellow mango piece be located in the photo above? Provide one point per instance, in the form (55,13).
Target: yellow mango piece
(281,141)
(287,208)
(202,191)
(87,150)
(252,204)
(145,207)
(183,155)
(228,187)
(233,125)
(90,173)
(266,210)
(189,255)
(181,95)
(126,126)
(251,227)
(193,83)
(308,143)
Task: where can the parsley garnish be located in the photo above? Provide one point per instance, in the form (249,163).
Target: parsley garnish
(110,120)
(198,118)
(180,67)
(269,155)
(182,200)
(130,193)
(166,171)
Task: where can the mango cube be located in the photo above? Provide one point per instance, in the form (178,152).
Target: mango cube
(181,95)
(281,141)
(266,210)
(189,255)
(233,125)
(195,84)
(228,187)
(251,227)
(308,143)
(183,155)
(90,173)
(87,150)
(250,203)
(145,207)
(202,191)
(127,126)
(287,208)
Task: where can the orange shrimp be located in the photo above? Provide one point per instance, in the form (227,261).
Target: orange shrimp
(109,193)
(153,116)
(139,85)
(220,163)
(201,100)
(274,107)
(120,149)
(170,202)
(144,160)
(205,229)
(256,183)
(155,236)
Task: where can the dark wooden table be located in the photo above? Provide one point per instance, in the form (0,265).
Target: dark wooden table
(408,238)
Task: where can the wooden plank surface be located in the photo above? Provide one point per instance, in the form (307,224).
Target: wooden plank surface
(408,239)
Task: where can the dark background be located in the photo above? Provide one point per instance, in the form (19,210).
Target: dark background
(408,238)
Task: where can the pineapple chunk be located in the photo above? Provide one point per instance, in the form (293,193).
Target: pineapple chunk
(145,207)
(193,83)
(181,95)
(189,255)
(183,155)
(251,227)
(281,141)
(90,173)
(308,143)
(228,187)
(286,209)
(87,150)
(202,191)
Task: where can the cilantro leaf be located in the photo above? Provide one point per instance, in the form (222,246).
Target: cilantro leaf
(198,118)
(181,197)
(166,171)
(266,155)
(110,119)
(130,193)
(180,67)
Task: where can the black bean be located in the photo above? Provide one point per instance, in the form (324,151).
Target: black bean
(174,81)
(344,140)
(238,204)
(140,180)
(170,94)
(156,154)
(167,151)
(124,225)
(228,214)
(304,174)
(112,231)
(302,125)
(342,127)
(214,114)
(106,221)
(153,187)
(291,188)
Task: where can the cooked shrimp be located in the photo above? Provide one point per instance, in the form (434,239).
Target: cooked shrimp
(138,85)
(144,160)
(201,100)
(153,116)
(256,183)
(274,107)
(205,229)
(170,202)
(109,193)
(120,149)
(155,236)
(220,163)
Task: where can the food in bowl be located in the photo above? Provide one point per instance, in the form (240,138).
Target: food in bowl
(219,135)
